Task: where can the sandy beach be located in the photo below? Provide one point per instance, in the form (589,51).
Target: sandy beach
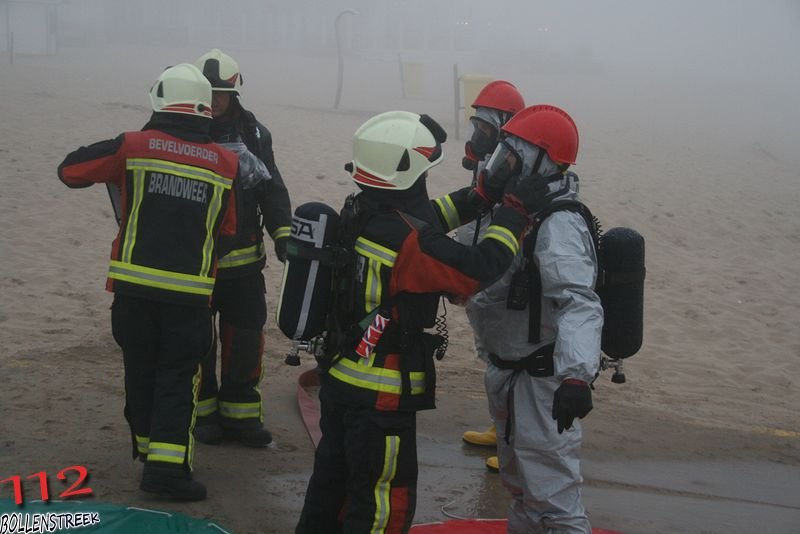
(706,172)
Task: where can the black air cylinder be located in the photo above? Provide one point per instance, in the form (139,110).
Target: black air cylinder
(306,286)
(622,291)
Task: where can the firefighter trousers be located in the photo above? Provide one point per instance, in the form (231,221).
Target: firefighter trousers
(365,472)
(162,345)
(242,310)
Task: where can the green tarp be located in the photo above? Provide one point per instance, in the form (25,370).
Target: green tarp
(88,516)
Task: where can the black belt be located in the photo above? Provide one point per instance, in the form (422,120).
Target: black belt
(538,363)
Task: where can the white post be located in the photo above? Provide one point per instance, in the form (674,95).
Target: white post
(456,101)
(339,50)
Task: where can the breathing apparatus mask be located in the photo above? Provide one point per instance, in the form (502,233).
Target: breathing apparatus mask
(535,164)
(515,160)
(486,123)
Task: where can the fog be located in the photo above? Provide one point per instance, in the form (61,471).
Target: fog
(688,117)
(713,67)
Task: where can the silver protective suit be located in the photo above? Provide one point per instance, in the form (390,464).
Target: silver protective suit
(541,468)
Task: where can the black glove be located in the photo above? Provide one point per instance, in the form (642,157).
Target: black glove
(280,248)
(572,399)
(528,194)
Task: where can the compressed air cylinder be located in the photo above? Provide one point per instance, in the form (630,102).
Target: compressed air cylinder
(622,291)
(306,286)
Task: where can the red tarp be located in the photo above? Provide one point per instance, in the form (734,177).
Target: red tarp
(476,526)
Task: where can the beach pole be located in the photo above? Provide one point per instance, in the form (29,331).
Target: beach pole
(456,101)
(341,58)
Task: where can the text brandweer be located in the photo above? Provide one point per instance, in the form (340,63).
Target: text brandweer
(167,184)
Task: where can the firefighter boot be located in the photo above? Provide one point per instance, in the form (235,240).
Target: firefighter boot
(492,464)
(256,437)
(481,439)
(171,482)
(208,430)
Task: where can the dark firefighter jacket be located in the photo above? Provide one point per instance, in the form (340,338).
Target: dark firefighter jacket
(267,205)
(176,193)
(406,262)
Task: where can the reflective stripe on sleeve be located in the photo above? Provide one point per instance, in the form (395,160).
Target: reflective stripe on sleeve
(504,236)
(281,231)
(242,256)
(142,444)
(449,212)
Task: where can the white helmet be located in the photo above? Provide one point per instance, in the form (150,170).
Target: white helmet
(182,89)
(221,70)
(393,149)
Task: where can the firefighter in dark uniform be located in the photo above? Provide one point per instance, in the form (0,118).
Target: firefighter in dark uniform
(365,468)
(175,187)
(234,409)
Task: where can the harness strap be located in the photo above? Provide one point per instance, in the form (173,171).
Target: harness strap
(535,277)
(539,363)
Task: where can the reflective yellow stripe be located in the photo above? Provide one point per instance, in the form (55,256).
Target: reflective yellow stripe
(374,378)
(383,488)
(373,289)
(417,380)
(362,375)
(212,214)
(504,236)
(133,217)
(240,410)
(142,444)
(377,255)
(147,276)
(179,169)
(449,212)
(166,452)
(242,256)
(257,389)
(281,231)
(376,252)
(195,392)
(206,407)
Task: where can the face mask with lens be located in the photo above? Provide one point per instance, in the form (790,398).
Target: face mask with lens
(502,166)
(484,138)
